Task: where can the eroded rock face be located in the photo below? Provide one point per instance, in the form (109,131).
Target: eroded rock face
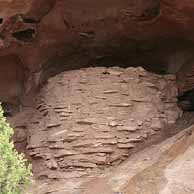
(164,168)
(11,81)
(40,31)
(96,117)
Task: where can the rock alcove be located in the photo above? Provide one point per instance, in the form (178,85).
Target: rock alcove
(87,84)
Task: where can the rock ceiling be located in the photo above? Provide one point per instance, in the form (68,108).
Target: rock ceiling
(33,32)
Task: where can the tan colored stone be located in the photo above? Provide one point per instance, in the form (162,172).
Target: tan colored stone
(113,123)
(104,136)
(114,72)
(127,128)
(97,150)
(111,141)
(83,143)
(86,121)
(125,145)
(62,153)
(110,91)
(51,125)
(121,105)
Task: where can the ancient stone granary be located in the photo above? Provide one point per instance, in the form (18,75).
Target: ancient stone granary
(44,37)
(74,118)
(95,118)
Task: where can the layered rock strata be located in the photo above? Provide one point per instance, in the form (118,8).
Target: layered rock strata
(95,118)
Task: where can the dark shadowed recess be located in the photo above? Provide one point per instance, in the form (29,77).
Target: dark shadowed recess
(24,35)
(154,55)
(186,101)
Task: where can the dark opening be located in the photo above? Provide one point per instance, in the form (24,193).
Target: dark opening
(186,101)
(24,35)
(29,20)
(151,12)
(1,20)
(7,108)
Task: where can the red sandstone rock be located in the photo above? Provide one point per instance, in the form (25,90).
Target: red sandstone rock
(37,32)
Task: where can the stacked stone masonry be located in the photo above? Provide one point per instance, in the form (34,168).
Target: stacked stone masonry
(93,118)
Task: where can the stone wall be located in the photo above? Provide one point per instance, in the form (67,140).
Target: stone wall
(94,118)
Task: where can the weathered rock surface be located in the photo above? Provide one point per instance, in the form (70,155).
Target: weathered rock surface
(96,118)
(46,37)
(166,168)
(90,120)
